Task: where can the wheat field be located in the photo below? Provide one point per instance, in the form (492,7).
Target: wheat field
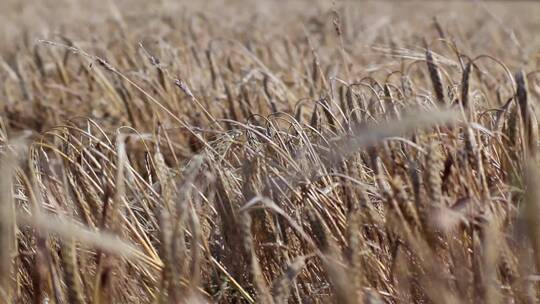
(269,151)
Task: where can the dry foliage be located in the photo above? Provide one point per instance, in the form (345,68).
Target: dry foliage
(269,152)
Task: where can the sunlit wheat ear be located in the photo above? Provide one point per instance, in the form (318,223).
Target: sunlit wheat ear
(173,249)
(471,148)
(162,172)
(433,169)
(91,197)
(112,221)
(405,205)
(79,197)
(71,272)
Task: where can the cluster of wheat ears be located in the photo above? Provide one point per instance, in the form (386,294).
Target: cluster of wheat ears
(323,154)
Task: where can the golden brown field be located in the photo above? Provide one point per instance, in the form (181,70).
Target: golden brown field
(269,151)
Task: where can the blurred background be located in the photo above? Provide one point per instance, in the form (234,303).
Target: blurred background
(89,19)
